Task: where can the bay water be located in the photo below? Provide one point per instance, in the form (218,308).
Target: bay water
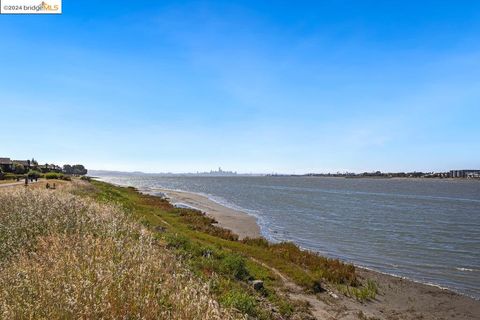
(427,230)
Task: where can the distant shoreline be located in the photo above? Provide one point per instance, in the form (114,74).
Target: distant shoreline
(423,176)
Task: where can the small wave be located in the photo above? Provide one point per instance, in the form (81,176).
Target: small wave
(468,269)
(182,205)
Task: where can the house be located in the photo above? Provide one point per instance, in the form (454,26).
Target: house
(44,168)
(6,164)
(24,163)
(49,168)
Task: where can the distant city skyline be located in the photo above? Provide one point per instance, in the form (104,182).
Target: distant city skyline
(253,87)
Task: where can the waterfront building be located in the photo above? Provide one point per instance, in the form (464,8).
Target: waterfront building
(465,173)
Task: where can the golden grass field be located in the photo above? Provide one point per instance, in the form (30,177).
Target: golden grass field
(63,256)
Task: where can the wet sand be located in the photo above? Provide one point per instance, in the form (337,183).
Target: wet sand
(241,223)
(400,298)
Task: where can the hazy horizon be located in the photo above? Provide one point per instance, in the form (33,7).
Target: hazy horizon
(199,172)
(252,87)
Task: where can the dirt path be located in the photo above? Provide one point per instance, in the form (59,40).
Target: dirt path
(13,184)
(295,292)
(398,299)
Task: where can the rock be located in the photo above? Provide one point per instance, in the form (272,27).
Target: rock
(317,287)
(160,229)
(257,284)
(207,253)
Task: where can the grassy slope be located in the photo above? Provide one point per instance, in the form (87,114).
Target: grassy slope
(45,235)
(64,257)
(212,250)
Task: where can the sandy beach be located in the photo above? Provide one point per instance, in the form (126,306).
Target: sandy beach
(241,223)
(397,299)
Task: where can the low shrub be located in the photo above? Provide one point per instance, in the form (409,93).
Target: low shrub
(34,174)
(258,242)
(175,241)
(12,176)
(53,175)
(234,265)
(367,291)
(241,301)
(332,270)
(57,176)
(198,221)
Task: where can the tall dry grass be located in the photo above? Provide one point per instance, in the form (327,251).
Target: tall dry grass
(66,257)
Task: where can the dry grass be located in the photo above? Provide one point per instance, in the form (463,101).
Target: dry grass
(66,257)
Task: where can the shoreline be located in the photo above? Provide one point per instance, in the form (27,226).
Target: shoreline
(203,203)
(239,222)
(248,226)
(397,298)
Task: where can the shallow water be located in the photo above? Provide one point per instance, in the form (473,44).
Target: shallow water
(425,230)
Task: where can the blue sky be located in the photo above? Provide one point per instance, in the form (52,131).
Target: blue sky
(253,86)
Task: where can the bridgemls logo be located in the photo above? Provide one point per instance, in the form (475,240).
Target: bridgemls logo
(47,7)
(30,7)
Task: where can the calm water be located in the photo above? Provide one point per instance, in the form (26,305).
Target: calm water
(426,230)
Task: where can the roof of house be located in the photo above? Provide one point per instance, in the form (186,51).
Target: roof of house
(22,162)
(5,161)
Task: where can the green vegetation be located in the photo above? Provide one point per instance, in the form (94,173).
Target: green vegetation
(367,292)
(18,168)
(86,178)
(92,243)
(241,301)
(210,249)
(34,174)
(76,169)
(58,176)
(12,176)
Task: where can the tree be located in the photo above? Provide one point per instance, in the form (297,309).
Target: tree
(68,169)
(79,169)
(18,168)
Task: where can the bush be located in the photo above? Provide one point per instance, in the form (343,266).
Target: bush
(18,168)
(57,176)
(53,175)
(175,241)
(241,301)
(12,176)
(321,268)
(198,221)
(234,265)
(34,174)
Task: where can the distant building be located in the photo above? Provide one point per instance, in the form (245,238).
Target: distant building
(6,164)
(465,173)
(49,168)
(24,163)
